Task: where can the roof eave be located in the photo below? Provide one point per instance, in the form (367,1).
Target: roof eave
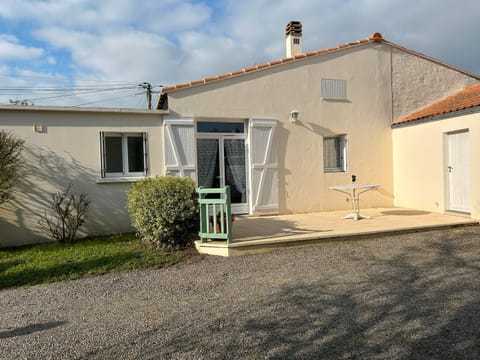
(38,108)
(451,114)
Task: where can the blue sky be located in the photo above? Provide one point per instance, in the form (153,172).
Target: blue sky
(48,47)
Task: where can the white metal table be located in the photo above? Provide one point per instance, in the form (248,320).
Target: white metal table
(353,191)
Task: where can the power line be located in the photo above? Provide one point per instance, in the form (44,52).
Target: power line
(59,89)
(103,100)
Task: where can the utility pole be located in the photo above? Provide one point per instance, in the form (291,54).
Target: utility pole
(148,88)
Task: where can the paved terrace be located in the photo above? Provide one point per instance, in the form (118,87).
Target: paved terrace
(253,234)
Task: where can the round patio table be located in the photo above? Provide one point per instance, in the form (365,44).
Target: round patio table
(353,191)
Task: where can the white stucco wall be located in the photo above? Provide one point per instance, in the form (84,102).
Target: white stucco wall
(273,93)
(420,169)
(69,151)
(418,82)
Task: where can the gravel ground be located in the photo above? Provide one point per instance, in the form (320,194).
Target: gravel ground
(400,297)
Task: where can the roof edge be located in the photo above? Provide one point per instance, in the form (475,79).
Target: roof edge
(432,59)
(374,38)
(427,119)
(82,109)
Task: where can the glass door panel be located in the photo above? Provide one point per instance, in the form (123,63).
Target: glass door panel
(208,163)
(234,165)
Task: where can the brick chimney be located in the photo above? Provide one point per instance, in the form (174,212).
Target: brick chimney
(293,38)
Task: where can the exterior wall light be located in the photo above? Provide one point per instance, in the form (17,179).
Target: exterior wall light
(294,116)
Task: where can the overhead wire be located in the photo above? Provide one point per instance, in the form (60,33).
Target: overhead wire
(61,92)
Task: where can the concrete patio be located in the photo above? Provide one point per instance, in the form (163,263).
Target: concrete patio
(252,234)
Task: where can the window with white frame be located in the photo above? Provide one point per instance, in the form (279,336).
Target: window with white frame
(123,154)
(335,153)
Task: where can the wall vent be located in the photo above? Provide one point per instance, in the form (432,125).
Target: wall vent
(334,89)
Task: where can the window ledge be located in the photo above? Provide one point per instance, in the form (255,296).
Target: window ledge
(121,179)
(326,171)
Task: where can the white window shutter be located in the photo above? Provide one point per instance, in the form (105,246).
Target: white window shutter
(264,167)
(179,143)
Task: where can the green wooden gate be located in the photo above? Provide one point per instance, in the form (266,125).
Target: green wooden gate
(215,214)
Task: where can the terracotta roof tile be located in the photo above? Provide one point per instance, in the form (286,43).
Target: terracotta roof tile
(464,99)
(375,37)
(300,56)
(212,78)
(261,66)
(198,82)
(181,86)
(275,62)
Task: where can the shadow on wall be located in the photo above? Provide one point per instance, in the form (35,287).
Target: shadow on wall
(46,172)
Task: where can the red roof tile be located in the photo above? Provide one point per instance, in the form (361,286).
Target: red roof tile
(464,99)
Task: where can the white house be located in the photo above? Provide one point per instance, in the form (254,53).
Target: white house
(278,133)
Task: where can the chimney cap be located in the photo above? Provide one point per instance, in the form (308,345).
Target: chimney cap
(293,28)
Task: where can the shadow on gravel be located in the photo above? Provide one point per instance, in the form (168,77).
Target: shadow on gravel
(26,330)
(413,306)
(422,303)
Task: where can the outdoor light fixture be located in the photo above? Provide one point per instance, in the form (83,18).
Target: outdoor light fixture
(294,116)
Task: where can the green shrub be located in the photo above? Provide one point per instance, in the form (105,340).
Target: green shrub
(164,210)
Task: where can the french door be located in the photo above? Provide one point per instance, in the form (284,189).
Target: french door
(221,161)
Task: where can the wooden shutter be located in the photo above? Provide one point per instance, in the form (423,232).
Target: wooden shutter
(179,143)
(264,167)
(102,154)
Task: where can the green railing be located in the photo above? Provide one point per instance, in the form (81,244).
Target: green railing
(215,214)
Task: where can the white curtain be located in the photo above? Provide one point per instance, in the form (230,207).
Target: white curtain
(207,152)
(235,165)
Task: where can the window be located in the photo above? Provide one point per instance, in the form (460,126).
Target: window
(296,41)
(335,153)
(334,89)
(220,127)
(123,154)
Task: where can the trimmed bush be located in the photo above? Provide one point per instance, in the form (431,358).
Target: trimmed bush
(164,210)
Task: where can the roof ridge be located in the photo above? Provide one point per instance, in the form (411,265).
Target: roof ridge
(376,37)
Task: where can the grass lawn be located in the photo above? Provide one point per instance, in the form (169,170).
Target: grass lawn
(52,262)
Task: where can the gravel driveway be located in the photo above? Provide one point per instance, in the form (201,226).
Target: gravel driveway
(407,296)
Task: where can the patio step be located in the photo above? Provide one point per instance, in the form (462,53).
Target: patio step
(237,248)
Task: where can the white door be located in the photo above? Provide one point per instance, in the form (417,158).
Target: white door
(179,142)
(264,173)
(458,172)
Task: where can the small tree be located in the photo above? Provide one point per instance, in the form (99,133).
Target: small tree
(69,214)
(10,164)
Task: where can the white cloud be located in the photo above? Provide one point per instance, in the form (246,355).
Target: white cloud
(171,41)
(128,56)
(10,49)
(114,15)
